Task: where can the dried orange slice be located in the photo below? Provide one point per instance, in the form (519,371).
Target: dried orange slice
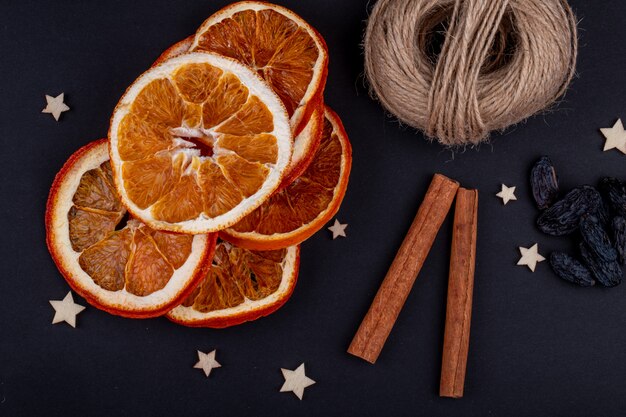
(126,269)
(241,286)
(302,208)
(278,44)
(198,142)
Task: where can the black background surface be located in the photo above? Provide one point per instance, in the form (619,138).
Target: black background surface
(538,345)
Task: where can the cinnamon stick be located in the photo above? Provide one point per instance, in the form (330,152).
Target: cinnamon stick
(460,291)
(393,292)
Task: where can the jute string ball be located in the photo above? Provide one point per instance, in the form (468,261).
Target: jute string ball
(458,69)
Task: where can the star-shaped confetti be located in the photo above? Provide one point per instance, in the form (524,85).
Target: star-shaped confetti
(296,381)
(615,137)
(66,310)
(338,229)
(55,106)
(530,257)
(507,194)
(207,362)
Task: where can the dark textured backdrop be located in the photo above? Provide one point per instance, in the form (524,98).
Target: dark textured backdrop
(538,345)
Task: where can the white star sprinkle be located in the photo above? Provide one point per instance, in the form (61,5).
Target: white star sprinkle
(66,310)
(530,257)
(296,381)
(338,229)
(207,362)
(507,194)
(615,137)
(55,106)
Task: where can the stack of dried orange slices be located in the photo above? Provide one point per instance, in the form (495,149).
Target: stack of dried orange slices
(221,159)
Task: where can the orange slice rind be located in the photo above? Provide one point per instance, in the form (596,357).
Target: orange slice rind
(304,146)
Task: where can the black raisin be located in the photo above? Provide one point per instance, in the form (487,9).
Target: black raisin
(596,239)
(606,273)
(544,183)
(619,237)
(614,191)
(569,269)
(564,215)
(603,213)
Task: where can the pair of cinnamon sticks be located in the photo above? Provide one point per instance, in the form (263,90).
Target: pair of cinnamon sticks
(393,292)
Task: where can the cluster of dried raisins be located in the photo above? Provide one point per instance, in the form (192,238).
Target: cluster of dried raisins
(596,217)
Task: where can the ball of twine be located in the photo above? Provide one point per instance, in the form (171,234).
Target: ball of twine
(458,69)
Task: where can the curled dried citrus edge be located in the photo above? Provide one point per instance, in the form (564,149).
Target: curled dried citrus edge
(174,50)
(248,310)
(259,241)
(256,87)
(315,90)
(304,147)
(122,303)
